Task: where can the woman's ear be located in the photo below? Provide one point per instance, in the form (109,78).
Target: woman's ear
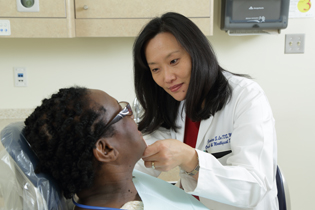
(104,151)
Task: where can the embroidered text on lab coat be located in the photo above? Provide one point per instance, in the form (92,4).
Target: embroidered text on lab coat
(219,140)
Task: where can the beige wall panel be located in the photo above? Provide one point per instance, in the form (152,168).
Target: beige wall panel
(47,8)
(124,27)
(38,28)
(140,8)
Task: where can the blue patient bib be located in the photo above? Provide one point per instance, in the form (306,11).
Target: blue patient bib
(161,195)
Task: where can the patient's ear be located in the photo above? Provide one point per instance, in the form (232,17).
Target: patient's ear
(104,151)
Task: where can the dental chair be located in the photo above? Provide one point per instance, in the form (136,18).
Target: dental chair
(283,191)
(20,187)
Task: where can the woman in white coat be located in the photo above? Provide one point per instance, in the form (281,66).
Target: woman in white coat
(216,126)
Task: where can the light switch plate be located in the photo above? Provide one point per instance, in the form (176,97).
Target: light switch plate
(294,43)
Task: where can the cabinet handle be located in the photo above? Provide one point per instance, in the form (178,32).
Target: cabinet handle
(85,7)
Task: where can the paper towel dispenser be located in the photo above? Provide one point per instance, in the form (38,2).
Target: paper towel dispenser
(254,16)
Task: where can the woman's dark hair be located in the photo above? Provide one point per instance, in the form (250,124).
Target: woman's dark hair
(207,83)
(62,132)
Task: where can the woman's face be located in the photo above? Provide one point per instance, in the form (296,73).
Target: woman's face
(127,138)
(170,64)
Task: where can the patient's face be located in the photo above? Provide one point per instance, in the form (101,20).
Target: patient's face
(127,138)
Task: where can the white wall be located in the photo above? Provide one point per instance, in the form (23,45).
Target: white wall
(103,63)
(106,63)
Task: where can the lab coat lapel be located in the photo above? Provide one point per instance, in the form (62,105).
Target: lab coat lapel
(203,129)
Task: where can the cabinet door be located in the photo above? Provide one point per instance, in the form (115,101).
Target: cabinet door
(47,8)
(125,18)
(55,19)
(140,8)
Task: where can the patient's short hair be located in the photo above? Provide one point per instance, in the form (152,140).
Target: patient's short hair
(62,132)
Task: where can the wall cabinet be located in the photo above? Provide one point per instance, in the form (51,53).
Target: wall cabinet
(125,18)
(55,18)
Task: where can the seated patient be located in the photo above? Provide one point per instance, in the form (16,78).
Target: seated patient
(90,144)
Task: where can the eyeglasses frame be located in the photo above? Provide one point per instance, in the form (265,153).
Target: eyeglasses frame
(119,116)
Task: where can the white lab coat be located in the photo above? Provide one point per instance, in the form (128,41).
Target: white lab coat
(237,152)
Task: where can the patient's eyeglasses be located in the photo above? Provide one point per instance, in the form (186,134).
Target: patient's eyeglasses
(126,111)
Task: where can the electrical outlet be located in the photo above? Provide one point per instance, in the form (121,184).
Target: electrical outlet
(20,77)
(5,28)
(294,43)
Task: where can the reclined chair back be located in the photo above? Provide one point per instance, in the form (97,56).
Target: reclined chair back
(21,187)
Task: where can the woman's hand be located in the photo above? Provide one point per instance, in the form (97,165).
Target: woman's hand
(169,153)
